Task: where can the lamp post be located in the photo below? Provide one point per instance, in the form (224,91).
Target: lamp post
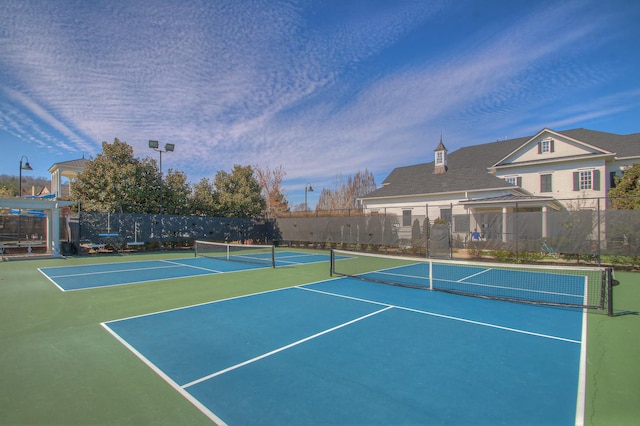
(25,166)
(307,188)
(169,147)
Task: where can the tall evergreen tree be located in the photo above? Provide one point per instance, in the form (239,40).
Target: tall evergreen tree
(115,181)
(238,193)
(626,193)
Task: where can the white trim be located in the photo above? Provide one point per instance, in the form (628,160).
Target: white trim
(569,159)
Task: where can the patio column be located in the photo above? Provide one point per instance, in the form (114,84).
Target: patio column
(544,222)
(53,231)
(56,183)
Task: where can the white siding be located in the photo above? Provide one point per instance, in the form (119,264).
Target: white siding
(562,178)
(562,147)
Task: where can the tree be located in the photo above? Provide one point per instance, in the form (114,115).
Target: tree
(416,235)
(624,226)
(271,182)
(203,201)
(238,193)
(115,181)
(626,193)
(6,192)
(345,194)
(11,183)
(176,193)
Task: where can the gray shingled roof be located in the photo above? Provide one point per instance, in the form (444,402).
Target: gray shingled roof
(420,179)
(622,145)
(467,167)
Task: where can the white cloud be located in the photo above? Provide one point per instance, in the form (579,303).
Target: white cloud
(301,85)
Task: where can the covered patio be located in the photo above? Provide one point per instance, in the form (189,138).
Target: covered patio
(50,209)
(503,209)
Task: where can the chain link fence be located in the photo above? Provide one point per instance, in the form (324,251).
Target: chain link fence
(586,232)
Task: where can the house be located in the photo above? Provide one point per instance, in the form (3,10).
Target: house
(479,187)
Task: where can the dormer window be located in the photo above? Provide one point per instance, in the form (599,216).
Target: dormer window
(514,180)
(545,146)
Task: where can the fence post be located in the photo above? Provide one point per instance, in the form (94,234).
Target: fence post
(599,239)
(516,230)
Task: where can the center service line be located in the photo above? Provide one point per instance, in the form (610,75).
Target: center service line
(250,361)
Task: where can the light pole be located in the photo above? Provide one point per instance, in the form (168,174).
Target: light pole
(169,147)
(307,188)
(25,166)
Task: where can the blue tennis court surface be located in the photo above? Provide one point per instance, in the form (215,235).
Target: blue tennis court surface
(347,351)
(81,277)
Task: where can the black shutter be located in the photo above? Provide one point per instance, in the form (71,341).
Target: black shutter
(596,180)
(551,143)
(612,179)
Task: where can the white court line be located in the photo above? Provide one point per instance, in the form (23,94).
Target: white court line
(472,284)
(172,264)
(191,266)
(292,254)
(116,271)
(476,274)
(268,354)
(200,406)
(434,314)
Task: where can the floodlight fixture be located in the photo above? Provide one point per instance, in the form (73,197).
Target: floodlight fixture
(169,147)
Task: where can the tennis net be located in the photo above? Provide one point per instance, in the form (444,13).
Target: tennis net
(248,253)
(584,287)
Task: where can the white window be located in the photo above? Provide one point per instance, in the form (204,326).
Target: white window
(514,180)
(586,179)
(439,158)
(546,146)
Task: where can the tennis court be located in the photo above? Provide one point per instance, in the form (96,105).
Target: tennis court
(353,351)
(269,345)
(82,277)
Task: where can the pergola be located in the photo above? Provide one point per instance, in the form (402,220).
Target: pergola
(51,208)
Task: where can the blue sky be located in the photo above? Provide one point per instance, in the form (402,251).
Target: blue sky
(323,88)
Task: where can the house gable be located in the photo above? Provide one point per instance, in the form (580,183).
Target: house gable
(550,146)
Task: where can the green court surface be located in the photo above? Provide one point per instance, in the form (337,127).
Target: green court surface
(59,366)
